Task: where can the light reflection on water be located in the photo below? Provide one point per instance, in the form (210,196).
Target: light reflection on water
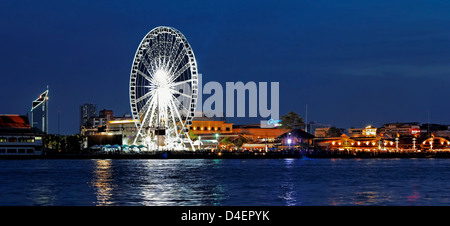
(226,182)
(155,182)
(102,182)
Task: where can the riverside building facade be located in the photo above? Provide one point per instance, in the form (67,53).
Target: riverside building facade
(17,136)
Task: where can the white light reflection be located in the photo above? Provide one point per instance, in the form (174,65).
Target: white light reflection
(43,195)
(288,186)
(180,183)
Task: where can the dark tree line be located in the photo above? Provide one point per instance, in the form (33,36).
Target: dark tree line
(63,144)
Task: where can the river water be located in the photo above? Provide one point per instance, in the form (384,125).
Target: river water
(225,182)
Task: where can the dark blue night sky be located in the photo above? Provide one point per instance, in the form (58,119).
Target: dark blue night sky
(352,62)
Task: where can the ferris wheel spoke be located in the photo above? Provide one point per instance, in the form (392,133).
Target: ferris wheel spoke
(145,116)
(177,113)
(151,66)
(166,46)
(178,59)
(148,103)
(182,82)
(180,93)
(173,51)
(148,78)
(179,72)
(146,64)
(152,109)
(174,122)
(160,44)
(181,104)
(145,108)
(149,94)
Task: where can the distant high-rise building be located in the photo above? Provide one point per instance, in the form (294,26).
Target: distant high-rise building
(39,112)
(87,111)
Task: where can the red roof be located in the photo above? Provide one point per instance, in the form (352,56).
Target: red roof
(14,121)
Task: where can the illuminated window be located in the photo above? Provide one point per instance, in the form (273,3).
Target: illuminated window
(26,140)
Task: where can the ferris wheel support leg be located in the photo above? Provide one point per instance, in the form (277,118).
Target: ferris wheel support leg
(137,137)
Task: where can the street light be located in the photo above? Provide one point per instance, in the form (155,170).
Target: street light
(396,143)
(289,141)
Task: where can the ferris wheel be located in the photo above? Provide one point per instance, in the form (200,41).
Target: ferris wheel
(163,90)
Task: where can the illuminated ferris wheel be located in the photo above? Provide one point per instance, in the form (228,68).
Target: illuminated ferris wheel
(163,90)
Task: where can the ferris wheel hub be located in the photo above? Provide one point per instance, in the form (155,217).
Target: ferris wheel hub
(161,78)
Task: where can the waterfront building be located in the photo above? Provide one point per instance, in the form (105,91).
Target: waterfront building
(325,131)
(105,129)
(398,137)
(211,132)
(435,143)
(368,131)
(437,130)
(297,138)
(321,132)
(207,128)
(17,136)
(115,132)
(101,120)
(402,129)
(259,138)
(313,126)
(358,143)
